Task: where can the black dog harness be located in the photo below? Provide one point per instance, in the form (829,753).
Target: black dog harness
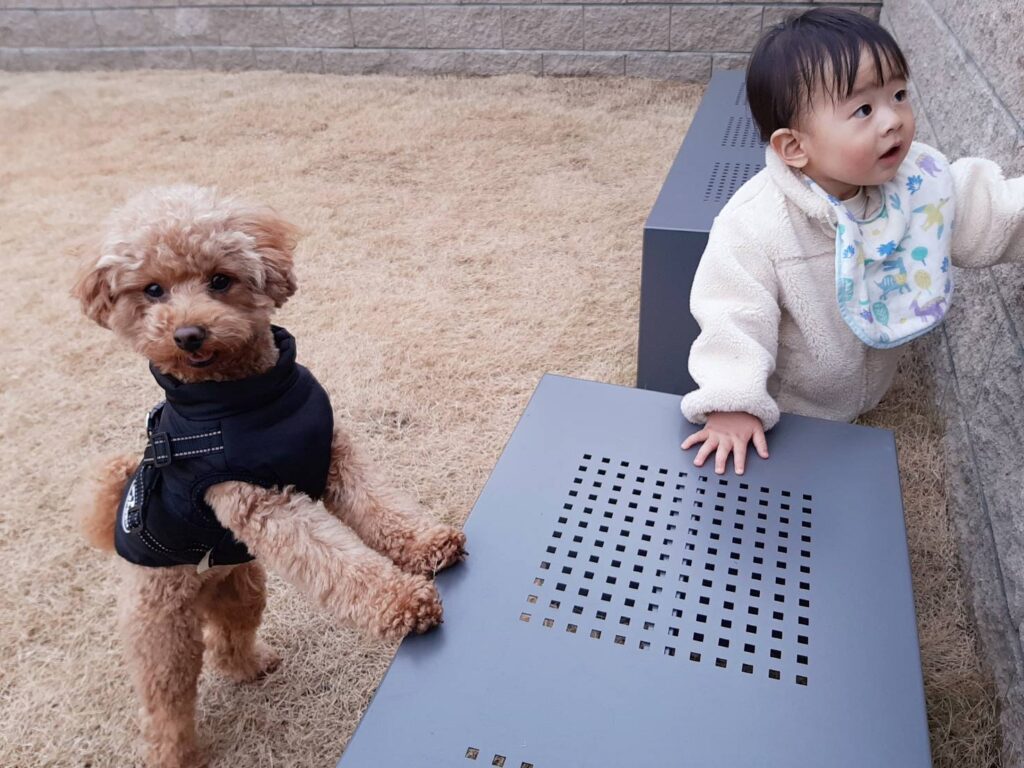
(272,430)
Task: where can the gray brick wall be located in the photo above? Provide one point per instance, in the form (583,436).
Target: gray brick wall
(968,76)
(682,40)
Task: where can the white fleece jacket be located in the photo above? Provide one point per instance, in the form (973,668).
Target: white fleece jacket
(764,296)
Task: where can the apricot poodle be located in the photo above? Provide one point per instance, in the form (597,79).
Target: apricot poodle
(244,468)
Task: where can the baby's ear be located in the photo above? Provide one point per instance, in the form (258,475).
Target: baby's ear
(93,287)
(789,146)
(275,241)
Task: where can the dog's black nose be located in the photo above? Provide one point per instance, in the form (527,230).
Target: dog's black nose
(190,337)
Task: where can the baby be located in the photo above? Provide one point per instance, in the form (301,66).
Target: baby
(825,264)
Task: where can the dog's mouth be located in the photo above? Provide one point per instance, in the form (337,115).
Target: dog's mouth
(200,360)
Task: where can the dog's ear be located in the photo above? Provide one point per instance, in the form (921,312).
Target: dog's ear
(93,287)
(275,241)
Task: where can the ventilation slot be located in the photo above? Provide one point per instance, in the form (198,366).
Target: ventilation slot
(726,178)
(741,133)
(691,567)
(741,94)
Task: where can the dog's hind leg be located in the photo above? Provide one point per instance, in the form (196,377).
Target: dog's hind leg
(391,524)
(231,605)
(298,539)
(163,648)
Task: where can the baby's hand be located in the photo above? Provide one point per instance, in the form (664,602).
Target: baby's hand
(728,433)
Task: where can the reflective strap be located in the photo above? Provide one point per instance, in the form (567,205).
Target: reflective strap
(164,449)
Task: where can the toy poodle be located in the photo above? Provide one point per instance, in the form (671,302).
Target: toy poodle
(244,468)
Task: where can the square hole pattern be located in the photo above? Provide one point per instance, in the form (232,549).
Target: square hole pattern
(496,759)
(690,566)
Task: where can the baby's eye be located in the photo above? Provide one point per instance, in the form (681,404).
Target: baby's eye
(901,95)
(863,111)
(153,290)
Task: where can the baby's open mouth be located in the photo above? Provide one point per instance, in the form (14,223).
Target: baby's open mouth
(892,152)
(200,360)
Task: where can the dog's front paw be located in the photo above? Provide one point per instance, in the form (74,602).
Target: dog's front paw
(413,605)
(432,550)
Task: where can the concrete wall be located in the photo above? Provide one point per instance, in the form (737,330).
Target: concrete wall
(967,61)
(679,40)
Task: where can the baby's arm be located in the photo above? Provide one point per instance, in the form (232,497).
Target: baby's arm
(735,301)
(989,224)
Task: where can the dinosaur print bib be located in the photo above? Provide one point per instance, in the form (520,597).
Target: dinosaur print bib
(893,277)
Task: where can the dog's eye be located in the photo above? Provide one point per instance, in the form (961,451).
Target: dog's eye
(154,291)
(220,283)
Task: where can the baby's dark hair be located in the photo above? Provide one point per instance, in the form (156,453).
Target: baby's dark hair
(818,49)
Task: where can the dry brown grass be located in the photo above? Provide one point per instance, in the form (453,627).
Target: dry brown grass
(463,237)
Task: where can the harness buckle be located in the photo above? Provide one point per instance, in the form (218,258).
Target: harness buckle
(161,445)
(153,418)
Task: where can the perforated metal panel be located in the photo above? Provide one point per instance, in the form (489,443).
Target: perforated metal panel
(726,178)
(621,607)
(741,131)
(740,100)
(678,562)
(722,150)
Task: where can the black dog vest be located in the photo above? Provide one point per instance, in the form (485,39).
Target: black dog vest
(271,430)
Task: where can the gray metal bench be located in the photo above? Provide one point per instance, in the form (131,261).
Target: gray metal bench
(722,150)
(623,609)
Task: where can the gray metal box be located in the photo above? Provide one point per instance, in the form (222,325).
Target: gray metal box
(621,608)
(721,151)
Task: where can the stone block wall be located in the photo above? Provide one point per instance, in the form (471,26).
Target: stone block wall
(967,67)
(680,39)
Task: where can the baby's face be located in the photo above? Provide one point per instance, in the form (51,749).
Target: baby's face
(860,140)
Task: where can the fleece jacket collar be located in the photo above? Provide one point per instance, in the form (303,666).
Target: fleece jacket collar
(791,185)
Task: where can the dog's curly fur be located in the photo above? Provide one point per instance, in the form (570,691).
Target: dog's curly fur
(363,553)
